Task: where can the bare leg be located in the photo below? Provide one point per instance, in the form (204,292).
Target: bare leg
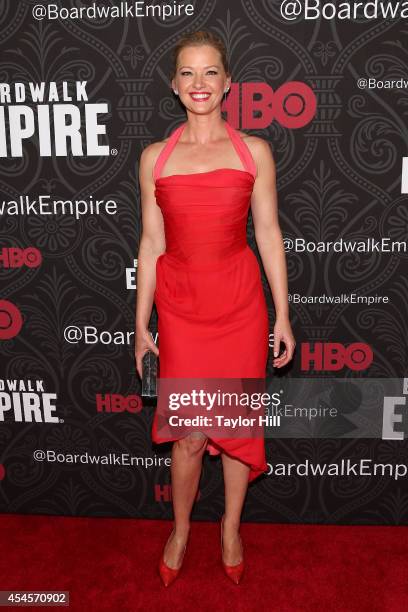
(236,486)
(186,465)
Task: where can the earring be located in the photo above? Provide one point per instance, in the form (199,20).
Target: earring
(176,92)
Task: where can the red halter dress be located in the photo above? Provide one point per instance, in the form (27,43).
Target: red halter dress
(212,314)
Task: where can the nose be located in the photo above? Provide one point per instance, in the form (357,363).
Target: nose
(198,81)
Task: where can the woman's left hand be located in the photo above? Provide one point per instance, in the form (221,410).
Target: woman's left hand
(282,332)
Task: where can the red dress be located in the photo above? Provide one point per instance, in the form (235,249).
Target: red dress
(212,314)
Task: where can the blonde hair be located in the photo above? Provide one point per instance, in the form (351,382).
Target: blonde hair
(196,39)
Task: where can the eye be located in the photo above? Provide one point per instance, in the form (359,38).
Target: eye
(184,72)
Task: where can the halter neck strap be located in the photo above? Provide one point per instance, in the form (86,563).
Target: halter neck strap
(242,149)
(166,150)
(240,146)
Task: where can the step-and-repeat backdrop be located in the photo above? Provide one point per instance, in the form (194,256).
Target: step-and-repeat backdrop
(84,88)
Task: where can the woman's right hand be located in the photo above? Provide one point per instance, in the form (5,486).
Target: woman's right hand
(144,342)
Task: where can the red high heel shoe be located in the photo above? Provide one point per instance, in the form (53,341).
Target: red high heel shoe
(169,574)
(234,572)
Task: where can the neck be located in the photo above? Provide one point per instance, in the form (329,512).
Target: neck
(201,129)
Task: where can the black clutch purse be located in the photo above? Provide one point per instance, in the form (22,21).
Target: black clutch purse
(149,374)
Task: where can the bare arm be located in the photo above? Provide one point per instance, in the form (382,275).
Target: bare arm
(152,244)
(268,235)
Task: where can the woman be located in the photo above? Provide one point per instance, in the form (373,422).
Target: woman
(195,263)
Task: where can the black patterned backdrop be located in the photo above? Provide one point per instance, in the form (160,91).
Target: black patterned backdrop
(84,88)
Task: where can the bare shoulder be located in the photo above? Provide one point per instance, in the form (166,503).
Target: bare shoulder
(259,147)
(152,151)
(149,156)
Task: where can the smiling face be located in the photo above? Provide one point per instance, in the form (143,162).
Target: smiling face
(200,78)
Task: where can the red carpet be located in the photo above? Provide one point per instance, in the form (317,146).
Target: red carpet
(110,565)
